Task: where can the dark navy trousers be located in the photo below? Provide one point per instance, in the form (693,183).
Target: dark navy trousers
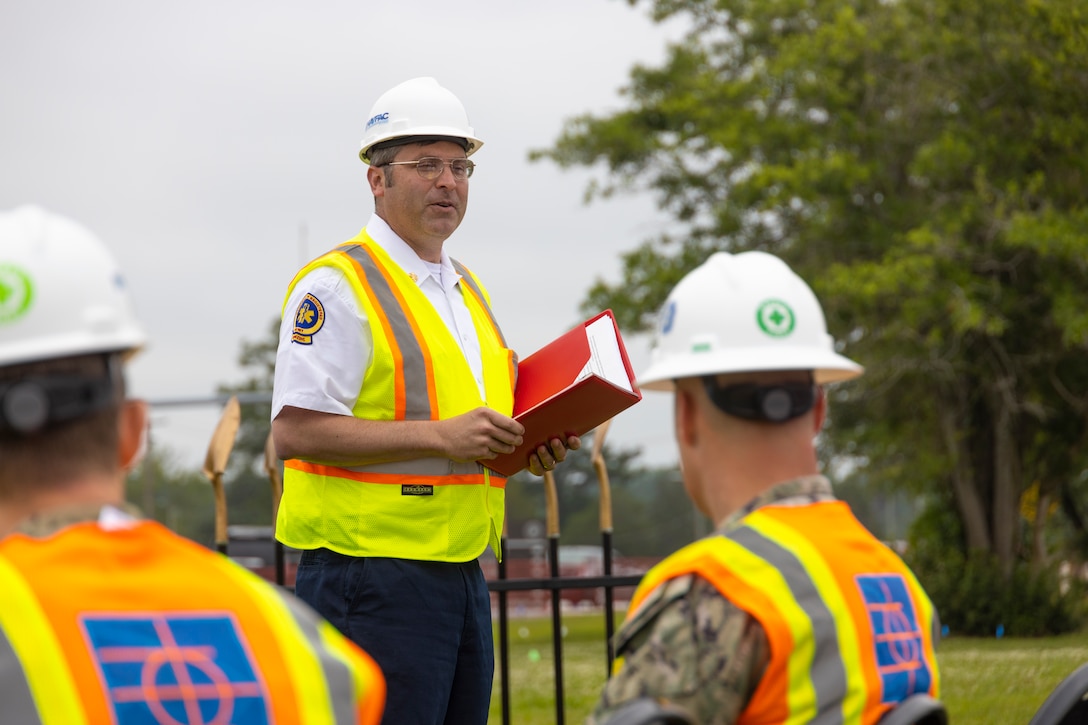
(427,625)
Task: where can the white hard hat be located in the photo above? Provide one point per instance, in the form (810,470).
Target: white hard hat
(418,108)
(742,313)
(61,293)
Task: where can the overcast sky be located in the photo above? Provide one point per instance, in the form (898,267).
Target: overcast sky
(213,147)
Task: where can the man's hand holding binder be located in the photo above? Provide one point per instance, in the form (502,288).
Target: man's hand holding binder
(569,387)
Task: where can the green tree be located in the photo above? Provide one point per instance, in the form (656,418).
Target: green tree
(922,163)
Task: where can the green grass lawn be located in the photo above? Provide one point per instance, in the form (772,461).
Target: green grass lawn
(983,681)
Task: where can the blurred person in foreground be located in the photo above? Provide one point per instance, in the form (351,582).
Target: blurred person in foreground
(393,388)
(105,617)
(791,611)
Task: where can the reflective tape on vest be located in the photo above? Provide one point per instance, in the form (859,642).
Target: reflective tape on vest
(51,696)
(474,286)
(817,673)
(415,384)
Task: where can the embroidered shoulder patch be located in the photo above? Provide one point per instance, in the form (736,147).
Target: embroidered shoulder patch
(309,317)
(176,667)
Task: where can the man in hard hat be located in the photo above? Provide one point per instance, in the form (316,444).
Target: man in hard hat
(106,618)
(791,611)
(393,388)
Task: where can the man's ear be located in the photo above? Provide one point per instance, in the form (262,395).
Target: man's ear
(819,409)
(375,176)
(133,424)
(685,410)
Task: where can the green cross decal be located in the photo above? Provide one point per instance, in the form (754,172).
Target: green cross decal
(16,293)
(775,318)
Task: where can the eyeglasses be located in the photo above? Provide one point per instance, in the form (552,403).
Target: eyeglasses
(430,167)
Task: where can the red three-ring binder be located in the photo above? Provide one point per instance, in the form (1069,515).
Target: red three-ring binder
(551,402)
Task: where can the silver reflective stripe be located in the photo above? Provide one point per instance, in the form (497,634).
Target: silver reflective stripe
(417,405)
(421,467)
(468,279)
(16,702)
(828,669)
(337,675)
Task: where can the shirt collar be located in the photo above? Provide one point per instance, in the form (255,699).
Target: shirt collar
(47,523)
(406,257)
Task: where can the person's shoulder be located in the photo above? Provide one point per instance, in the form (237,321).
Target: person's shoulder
(666,601)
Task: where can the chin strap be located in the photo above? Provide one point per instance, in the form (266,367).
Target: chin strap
(31,404)
(775,403)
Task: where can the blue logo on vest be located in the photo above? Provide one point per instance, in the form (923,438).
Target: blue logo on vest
(163,669)
(900,654)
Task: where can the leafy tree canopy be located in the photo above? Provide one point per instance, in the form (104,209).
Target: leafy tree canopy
(922,164)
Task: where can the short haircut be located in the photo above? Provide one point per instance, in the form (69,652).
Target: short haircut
(65,451)
(381,157)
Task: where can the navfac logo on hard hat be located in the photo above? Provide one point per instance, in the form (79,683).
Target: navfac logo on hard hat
(16,293)
(668,317)
(378,119)
(775,318)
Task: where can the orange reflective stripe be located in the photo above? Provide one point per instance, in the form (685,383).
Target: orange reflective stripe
(400,399)
(398,479)
(416,394)
(474,289)
(476,293)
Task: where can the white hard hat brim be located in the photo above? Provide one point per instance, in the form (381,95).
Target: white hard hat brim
(472,144)
(827,367)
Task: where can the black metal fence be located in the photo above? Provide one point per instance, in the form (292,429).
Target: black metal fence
(249,545)
(555,584)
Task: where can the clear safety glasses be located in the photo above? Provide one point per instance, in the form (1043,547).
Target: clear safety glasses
(430,167)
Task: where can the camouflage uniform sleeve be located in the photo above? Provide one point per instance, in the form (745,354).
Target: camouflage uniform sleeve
(688,646)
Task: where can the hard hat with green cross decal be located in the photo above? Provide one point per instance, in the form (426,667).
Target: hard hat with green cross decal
(741,313)
(61,293)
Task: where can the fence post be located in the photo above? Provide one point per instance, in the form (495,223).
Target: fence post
(606,536)
(504,627)
(552,520)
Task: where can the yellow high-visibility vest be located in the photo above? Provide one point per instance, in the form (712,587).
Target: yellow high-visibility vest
(851,630)
(426,509)
(137,624)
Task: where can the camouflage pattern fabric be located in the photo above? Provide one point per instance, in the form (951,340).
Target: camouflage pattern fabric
(689,646)
(46,524)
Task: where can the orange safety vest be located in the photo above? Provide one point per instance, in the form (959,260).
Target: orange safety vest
(431,509)
(851,631)
(138,625)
